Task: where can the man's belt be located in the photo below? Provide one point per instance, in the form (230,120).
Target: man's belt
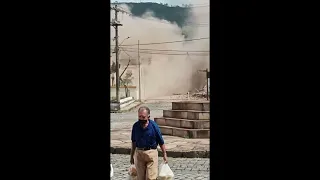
(146,148)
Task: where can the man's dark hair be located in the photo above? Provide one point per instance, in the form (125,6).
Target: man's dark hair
(144,108)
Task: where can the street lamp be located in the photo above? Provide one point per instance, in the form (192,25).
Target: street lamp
(124,40)
(120,44)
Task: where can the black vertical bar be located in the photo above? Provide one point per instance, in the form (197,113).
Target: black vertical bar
(207,84)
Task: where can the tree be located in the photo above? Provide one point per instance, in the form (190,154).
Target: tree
(113,68)
(126,81)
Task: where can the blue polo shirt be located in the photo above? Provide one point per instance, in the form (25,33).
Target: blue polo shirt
(149,137)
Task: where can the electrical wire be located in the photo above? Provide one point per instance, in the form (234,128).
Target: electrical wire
(167,42)
(193,54)
(168,50)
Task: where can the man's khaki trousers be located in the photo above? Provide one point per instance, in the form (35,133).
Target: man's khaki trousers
(146,163)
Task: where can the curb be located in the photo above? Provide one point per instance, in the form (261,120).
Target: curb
(173,154)
(127,110)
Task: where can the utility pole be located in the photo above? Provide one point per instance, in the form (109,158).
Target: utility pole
(139,72)
(115,24)
(117,58)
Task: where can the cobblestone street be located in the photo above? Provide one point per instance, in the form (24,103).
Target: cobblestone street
(183,168)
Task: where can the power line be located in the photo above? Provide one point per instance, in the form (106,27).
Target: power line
(168,42)
(170,50)
(165,53)
(173,50)
(126,53)
(193,54)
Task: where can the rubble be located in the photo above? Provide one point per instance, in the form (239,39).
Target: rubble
(202,93)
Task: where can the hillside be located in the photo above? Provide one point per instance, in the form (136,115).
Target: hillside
(162,11)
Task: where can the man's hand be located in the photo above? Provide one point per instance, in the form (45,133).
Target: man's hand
(163,148)
(165,158)
(133,148)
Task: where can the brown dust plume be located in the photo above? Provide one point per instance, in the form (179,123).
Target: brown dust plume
(165,72)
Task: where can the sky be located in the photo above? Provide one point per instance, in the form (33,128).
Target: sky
(169,2)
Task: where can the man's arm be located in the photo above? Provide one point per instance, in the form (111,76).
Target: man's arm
(133,148)
(133,145)
(161,143)
(163,149)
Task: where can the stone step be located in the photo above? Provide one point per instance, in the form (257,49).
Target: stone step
(127,103)
(191,105)
(183,123)
(185,133)
(187,114)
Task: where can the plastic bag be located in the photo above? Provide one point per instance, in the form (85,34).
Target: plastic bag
(111,170)
(165,173)
(132,174)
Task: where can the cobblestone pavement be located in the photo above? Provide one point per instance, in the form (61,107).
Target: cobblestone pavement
(183,168)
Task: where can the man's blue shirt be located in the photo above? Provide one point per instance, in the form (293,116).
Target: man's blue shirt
(149,137)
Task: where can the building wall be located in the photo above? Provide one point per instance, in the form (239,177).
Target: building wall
(133,92)
(135,82)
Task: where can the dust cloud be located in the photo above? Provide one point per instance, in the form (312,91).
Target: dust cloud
(163,74)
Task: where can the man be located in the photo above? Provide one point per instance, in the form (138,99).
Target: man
(145,138)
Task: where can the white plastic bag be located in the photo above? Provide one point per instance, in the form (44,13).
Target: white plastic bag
(132,174)
(111,170)
(165,173)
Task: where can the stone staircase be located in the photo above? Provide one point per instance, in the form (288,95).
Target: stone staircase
(188,119)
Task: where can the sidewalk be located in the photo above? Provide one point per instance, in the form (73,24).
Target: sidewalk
(121,125)
(176,146)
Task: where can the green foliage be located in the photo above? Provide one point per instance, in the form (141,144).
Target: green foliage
(175,14)
(127,80)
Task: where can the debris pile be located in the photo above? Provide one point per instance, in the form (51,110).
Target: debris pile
(197,94)
(201,93)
